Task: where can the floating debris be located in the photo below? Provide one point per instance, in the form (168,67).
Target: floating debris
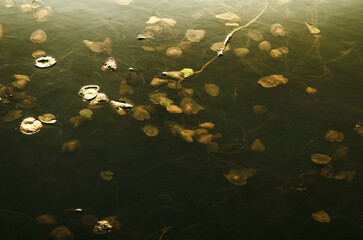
(334,136)
(47,118)
(194,35)
(278,30)
(239,176)
(61,233)
(109,64)
(264,46)
(107,175)
(38,36)
(321,217)
(89,92)
(150,130)
(71,147)
(102,227)
(320,158)
(272,81)
(30,126)
(45,62)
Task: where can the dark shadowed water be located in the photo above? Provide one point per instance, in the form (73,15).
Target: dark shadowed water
(164,187)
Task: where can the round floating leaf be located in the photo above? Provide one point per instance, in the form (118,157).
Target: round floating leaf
(218,46)
(10,3)
(259,109)
(141,114)
(11,115)
(26,8)
(334,136)
(165,102)
(326,170)
(123,2)
(189,106)
(311,90)
(255,35)
(359,128)
(184,45)
(212,89)
(29,102)
(156,97)
(278,30)
(264,46)
(38,36)
(107,175)
(257,146)
(339,153)
(150,130)
(275,53)
(205,138)
(158,81)
(321,217)
(47,118)
(125,89)
(208,125)
(173,109)
(77,121)
(71,147)
(272,81)
(239,176)
(174,84)
(61,233)
(194,35)
(312,28)
(43,14)
(169,21)
(86,113)
(241,52)
(153,20)
(30,126)
(228,16)
(320,158)
(174,52)
(187,72)
(46,219)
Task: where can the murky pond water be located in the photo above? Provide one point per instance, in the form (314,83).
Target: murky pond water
(279,154)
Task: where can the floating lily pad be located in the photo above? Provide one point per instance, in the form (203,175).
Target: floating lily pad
(71,147)
(255,35)
(77,121)
(36,4)
(208,125)
(61,233)
(326,170)
(141,114)
(120,107)
(264,46)
(125,89)
(359,128)
(184,45)
(217,47)
(38,54)
(158,82)
(102,227)
(177,75)
(339,153)
(28,102)
(173,109)
(10,3)
(259,109)
(47,118)
(46,219)
(189,106)
(22,81)
(278,30)
(311,90)
(312,28)
(272,81)
(99,99)
(241,52)
(194,35)
(86,113)
(320,158)
(43,14)
(30,126)
(38,36)
(150,130)
(26,8)
(45,62)
(174,52)
(187,72)
(205,138)
(156,97)
(257,146)
(275,53)
(107,175)
(89,92)
(239,176)
(123,2)
(169,21)
(134,78)
(321,217)
(155,29)
(174,84)
(153,20)
(228,16)
(11,115)
(212,89)
(165,102)
(334,136)
(109,64)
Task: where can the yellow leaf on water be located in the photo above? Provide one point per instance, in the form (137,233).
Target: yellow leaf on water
(107,175)
(321,217)
(312,28)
